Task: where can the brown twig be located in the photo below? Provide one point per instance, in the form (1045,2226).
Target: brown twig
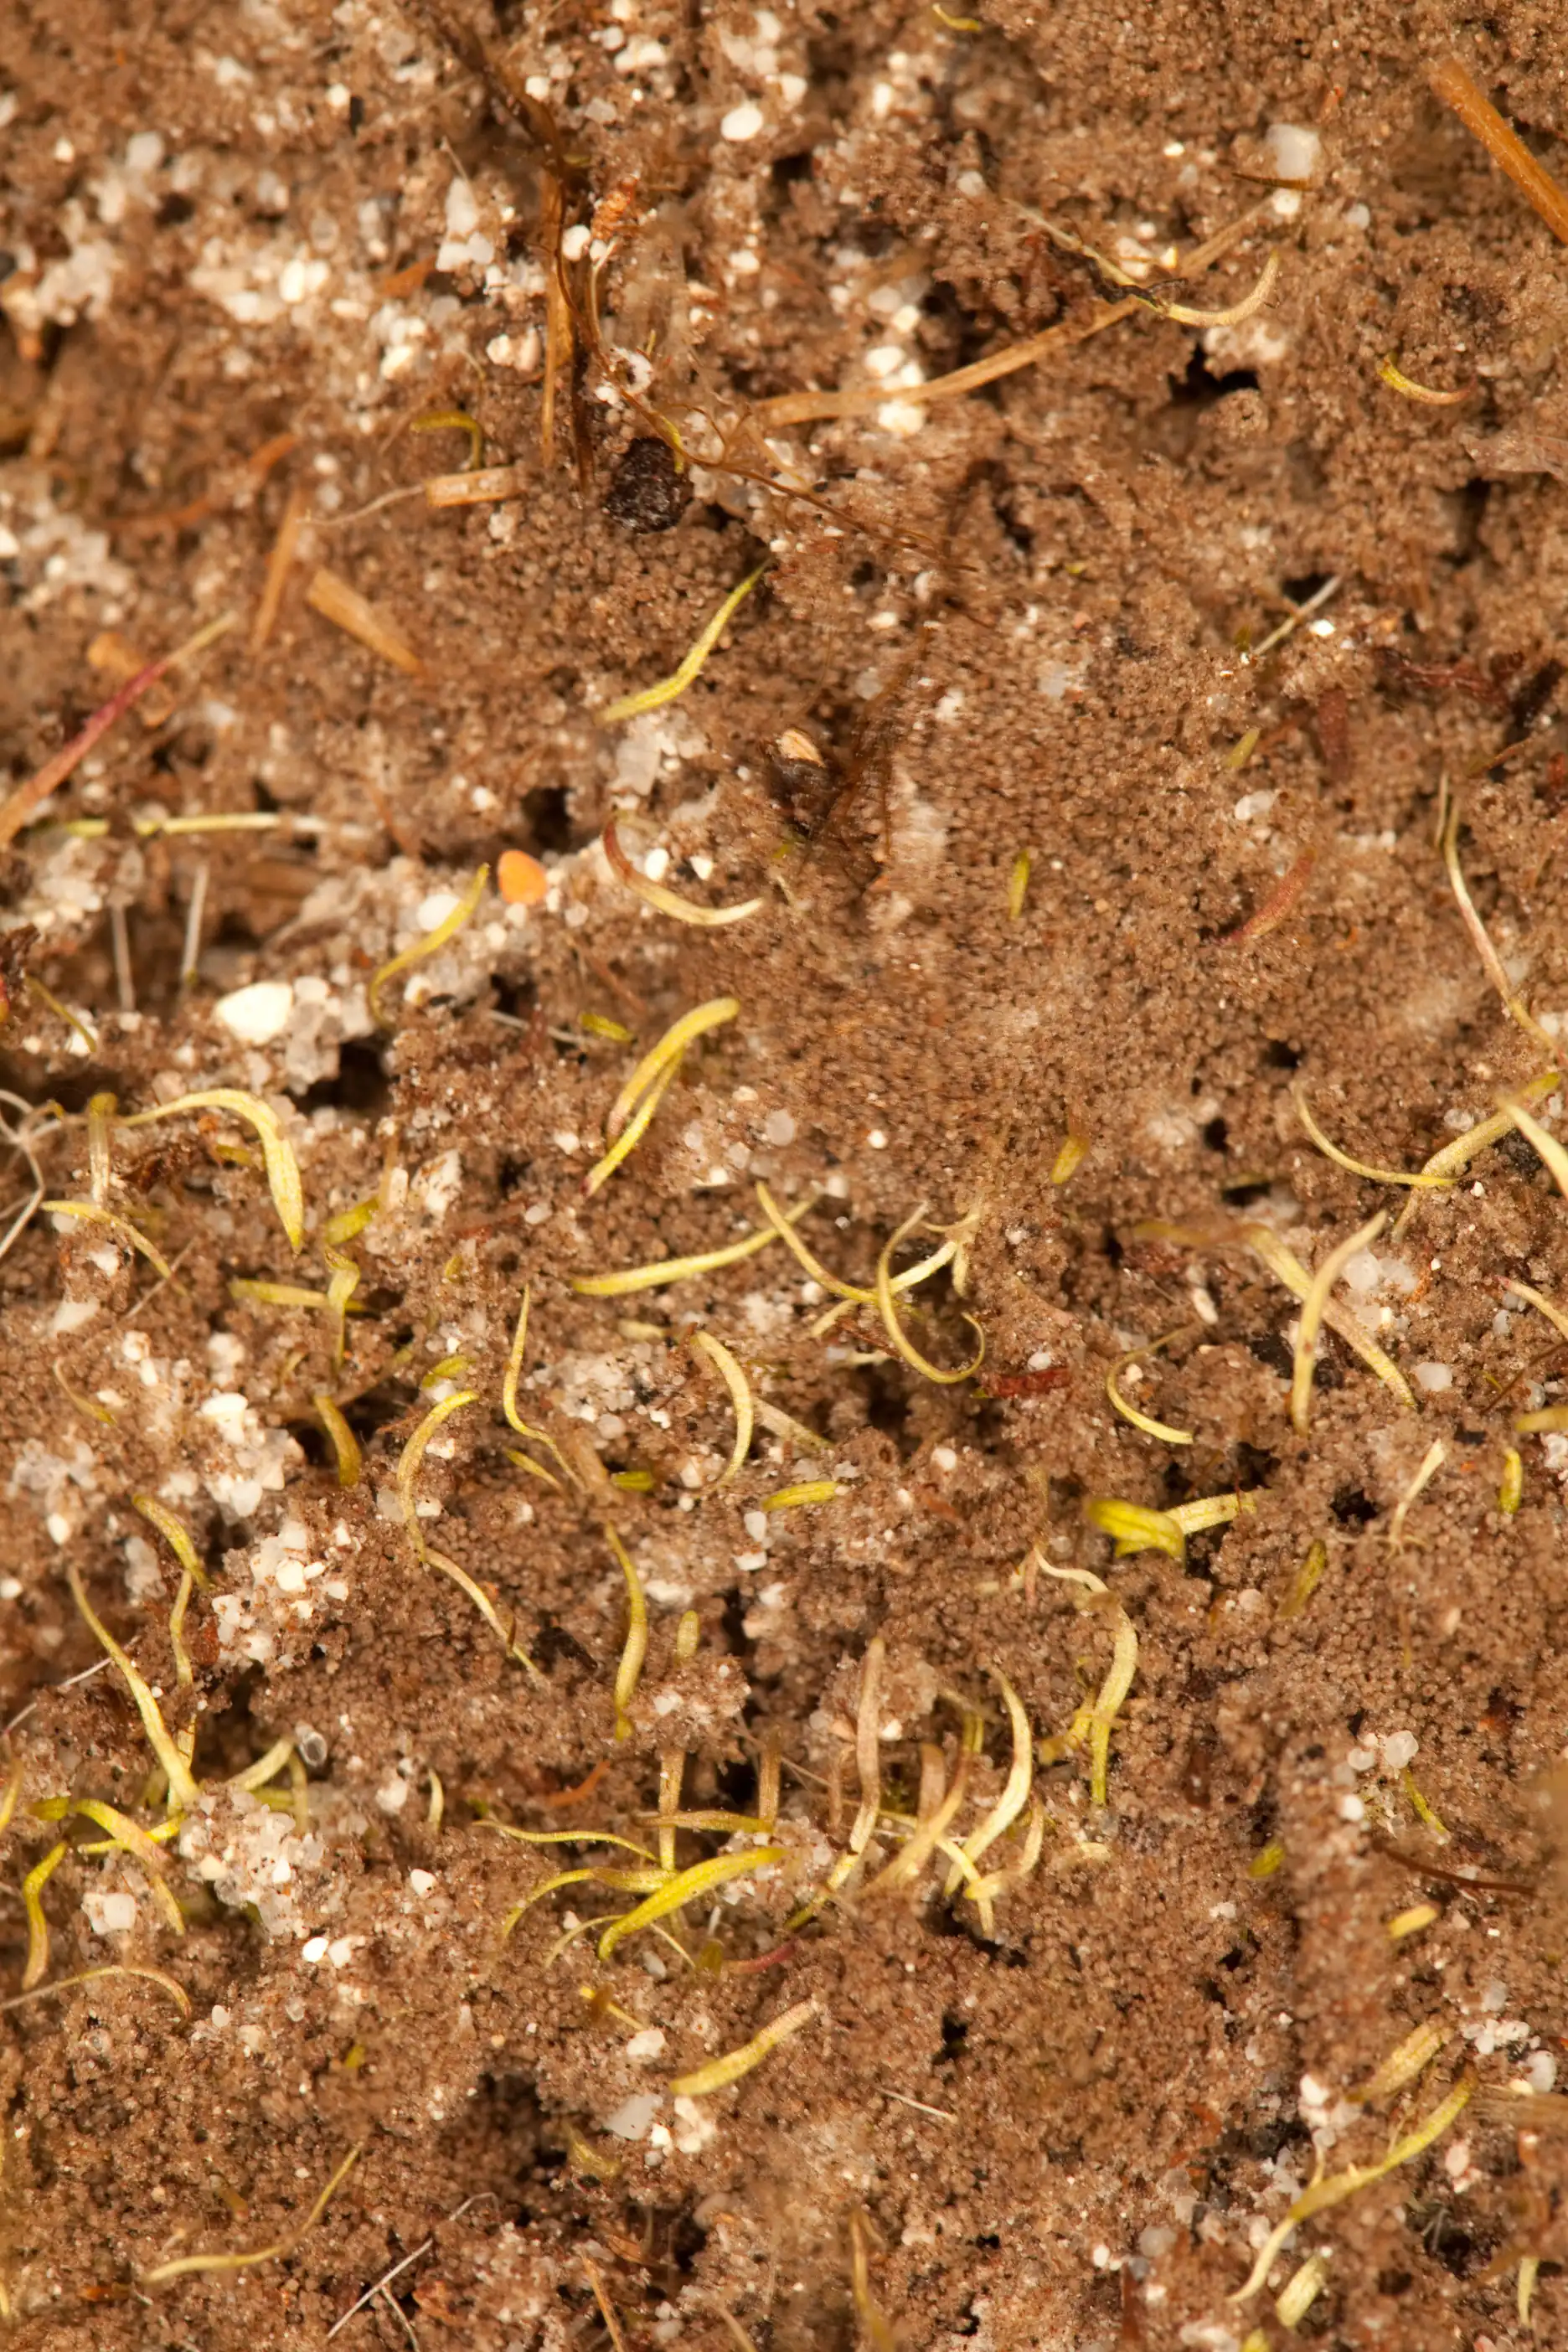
(806,407)
(257,465)
(16,810)
(277,563)
(1277,906)
(1508,151)
(557,312)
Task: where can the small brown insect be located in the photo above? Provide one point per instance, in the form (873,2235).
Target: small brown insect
(1027,1384)
(617,210)
(1333,725)
(801,780)
(1401,673)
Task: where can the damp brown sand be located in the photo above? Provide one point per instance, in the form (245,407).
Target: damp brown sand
(1026,623)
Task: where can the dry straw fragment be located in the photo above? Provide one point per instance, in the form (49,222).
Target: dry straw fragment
(330,595)
(483,486)
(19,806)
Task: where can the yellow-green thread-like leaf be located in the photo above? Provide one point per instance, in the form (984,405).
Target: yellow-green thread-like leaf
(685,1887)
(282,1167)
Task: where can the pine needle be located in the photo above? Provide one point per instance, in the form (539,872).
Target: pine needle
(634,1655)
(1513,1004)
(665,901)
(1454,85)
(653,698)
(720,2073)
(188,2264)
(685,1887)
(414,1453)
(1338,2186)
(739,1389)
(91,1976)
(663,1271)
(183,1790)
(430,944)
(33,1886)
(282,1167)
(1313,1307)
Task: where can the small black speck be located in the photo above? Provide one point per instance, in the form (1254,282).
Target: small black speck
(356,113)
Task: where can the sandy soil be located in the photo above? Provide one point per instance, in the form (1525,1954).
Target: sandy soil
(1088,857)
